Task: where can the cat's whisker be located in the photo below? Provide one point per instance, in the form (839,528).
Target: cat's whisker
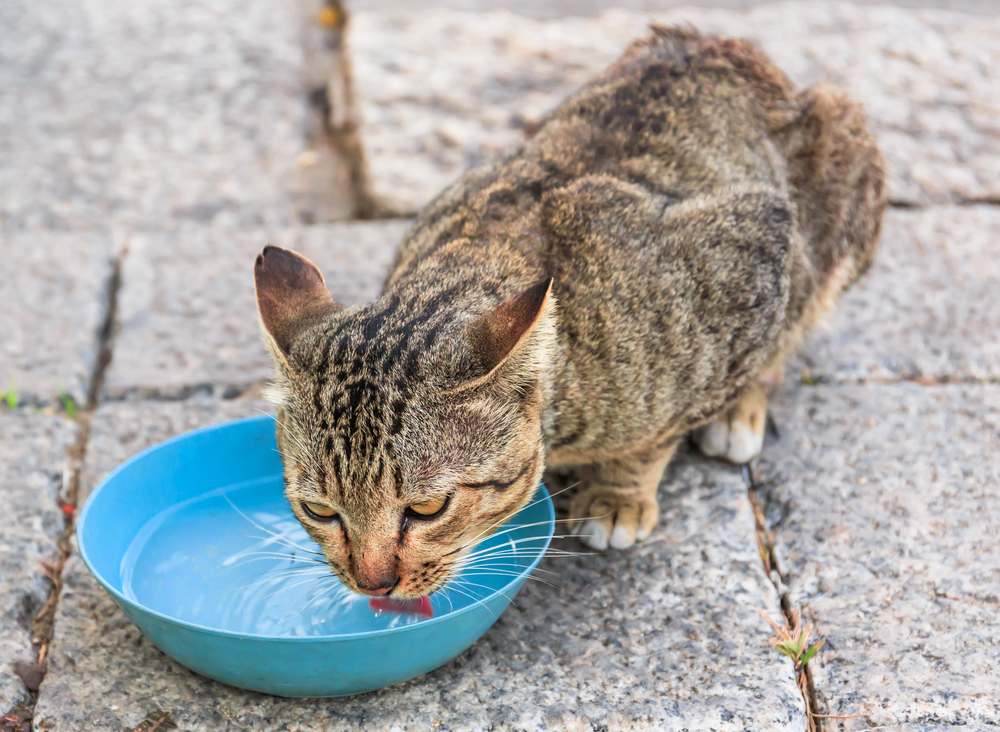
(305,455)
(292,572)
(453,587)
(278,541)
(295,554)
(536,523)
(511,566)
(278,537)
(457,570)
(451,605)
(502,520)
(488,571)
(489,590)
(512,553)
(260,556)
(475,599)
(507,545)
(323,592)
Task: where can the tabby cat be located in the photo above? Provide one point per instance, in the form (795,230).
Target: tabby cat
(639,269)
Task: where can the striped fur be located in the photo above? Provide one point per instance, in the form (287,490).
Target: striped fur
(696,214)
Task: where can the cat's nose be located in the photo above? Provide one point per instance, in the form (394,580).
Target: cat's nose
(379,590)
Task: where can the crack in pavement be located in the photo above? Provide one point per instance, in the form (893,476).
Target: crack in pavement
(332,102)
(43,622)
(766,550)
(928,380)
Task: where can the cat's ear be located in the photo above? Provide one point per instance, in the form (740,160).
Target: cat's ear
(291,296)
(502,335)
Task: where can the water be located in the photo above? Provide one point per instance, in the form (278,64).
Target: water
(236,559)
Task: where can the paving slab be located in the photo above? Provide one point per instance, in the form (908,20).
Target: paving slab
(664,637)
(52,305)
(884,502)
(33,468)
(441,90)
(927,310)
(148,114)
(187,316)
(564,8)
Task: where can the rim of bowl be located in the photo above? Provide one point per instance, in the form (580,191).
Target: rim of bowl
(121,598)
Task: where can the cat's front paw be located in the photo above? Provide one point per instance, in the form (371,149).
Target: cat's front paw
(605,518)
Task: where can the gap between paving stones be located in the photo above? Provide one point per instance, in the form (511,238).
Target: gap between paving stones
(926,380)
(43,622)
(213,390)
(768,558)
(333,103)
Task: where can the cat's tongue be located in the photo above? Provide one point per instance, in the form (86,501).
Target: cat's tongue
(417,606)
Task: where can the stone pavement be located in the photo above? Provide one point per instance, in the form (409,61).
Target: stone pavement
(34,466)
(157,147)
(885,505)
(150,115)
(442,90)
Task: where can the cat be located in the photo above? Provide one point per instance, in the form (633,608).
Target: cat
(640,269)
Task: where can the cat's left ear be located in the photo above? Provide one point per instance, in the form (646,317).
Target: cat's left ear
(291,296)
(519,333)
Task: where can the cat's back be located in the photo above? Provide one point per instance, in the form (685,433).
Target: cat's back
(678,115)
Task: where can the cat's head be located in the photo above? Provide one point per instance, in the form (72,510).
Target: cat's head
(408,430)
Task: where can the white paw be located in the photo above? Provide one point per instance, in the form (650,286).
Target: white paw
(735,441)
(594,535)
(623,537)
(744,444)
(713,440)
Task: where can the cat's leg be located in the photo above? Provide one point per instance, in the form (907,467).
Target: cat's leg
(616,506)
(738,434)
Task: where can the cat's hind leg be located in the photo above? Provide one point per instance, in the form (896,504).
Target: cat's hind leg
(617,506)
(738,434)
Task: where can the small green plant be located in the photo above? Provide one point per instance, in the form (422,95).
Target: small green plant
(11,399)
(792,640)
(68,404)
(808,378)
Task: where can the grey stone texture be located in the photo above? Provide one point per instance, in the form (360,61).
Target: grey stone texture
(441,89)
(885,508)
(927,310)
(664,637)
(147,114)
(52,305)
(187,315)
(34,466)
(564,8)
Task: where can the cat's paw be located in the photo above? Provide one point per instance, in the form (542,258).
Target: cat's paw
(734,440)
(603,518)
(737,436)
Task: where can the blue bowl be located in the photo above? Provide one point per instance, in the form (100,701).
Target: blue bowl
(194,540)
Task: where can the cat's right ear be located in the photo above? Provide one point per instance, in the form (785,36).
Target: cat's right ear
(291,296)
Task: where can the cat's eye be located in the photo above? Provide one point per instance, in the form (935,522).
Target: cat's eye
(319,512)
(428,509)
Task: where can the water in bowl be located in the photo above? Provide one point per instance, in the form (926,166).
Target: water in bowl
(236,559)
